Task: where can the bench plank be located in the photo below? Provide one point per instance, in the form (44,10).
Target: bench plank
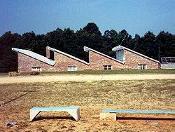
(131,111)
(62,108)
(74,111)
(111,114)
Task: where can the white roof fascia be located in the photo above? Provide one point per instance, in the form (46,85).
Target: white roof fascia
(86,49)
(73,57)
(122,47)
(35,56)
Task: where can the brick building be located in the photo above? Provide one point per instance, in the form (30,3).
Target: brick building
(100,61)
(64,61)
(29,61)
(135,60)
(57,60)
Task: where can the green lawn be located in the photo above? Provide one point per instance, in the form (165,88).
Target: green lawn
(123,71)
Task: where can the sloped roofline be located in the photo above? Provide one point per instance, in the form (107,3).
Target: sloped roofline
(68,55)
(35,56)
(124,48)
(87,49)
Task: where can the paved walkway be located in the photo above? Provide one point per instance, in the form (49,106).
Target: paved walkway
(65,77)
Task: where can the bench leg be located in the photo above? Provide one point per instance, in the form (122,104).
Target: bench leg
(75,114)
(108,116)
(33,114)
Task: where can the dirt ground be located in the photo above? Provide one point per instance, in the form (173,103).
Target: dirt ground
(17,99)
(74,77)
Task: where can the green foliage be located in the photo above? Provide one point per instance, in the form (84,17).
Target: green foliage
(92,29)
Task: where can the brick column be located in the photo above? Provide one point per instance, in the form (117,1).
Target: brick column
(47,52)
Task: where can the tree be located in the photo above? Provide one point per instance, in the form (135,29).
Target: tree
(166,44)
(135,42)
(92,29)
(54,38)
(8,59)
(110,40)
(148,45)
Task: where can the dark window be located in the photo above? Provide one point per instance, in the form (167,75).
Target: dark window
(51,55)
(72,68)
(142,66)
(107,67)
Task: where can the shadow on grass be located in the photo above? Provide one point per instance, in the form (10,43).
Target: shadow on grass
(13,99)
(145,118)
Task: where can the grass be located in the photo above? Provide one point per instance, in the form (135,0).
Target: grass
(122,71)
(131,94)
(17,99)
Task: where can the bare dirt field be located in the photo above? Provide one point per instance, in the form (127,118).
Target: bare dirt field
(82,78)
(16,100)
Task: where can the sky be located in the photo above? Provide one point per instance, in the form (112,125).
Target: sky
(42,16)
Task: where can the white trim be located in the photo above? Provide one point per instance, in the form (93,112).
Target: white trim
(73,57)
(122,47)
(35,56)
(86,49)
(36,68)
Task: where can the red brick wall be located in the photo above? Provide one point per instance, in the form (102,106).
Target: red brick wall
(25,64)
(132,60)
(97,61)
(62,63)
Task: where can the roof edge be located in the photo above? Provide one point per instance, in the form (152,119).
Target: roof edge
(66,54)
(87,49)
(22,51)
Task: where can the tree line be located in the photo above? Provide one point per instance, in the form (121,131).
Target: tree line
(72,42)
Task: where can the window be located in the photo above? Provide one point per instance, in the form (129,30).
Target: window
(120,55)
(36,69)
(51,55)
(142,66)
(107,67)
(72,68)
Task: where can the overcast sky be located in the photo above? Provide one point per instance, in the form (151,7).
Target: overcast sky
(42,16)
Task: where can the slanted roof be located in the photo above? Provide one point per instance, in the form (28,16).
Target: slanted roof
(35,56)
(68,55)
(117,48)
(87,49)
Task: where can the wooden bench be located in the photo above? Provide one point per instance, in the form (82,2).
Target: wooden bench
(112,114)
(74,111)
